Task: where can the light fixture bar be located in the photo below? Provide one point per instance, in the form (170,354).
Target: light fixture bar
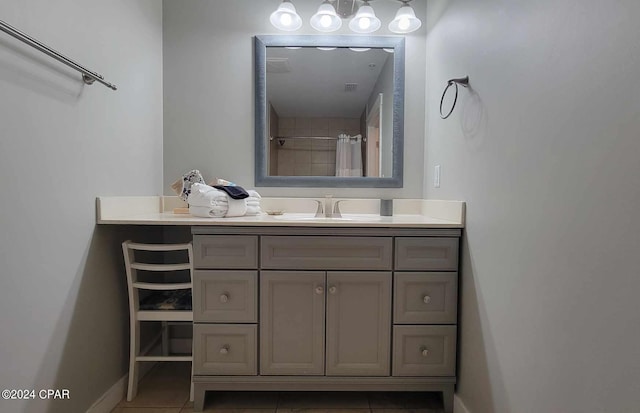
(330,14)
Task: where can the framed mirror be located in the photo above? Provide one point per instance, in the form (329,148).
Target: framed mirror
(329,111)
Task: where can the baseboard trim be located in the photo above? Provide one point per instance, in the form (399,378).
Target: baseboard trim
(110,399)
(458,406)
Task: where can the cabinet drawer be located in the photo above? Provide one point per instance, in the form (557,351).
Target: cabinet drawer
(225,296)
(225,251)
(424,350)
(425,297)
(326,253)
(224,349)
(427,254)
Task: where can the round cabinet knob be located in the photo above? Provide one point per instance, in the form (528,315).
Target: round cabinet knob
(224,350)
(424,351)
(224,298)
(332,290)
(426,299)
(319,290)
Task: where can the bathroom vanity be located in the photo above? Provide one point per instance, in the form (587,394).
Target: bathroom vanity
(322,305)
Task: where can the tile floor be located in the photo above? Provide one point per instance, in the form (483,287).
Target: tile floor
(166,390)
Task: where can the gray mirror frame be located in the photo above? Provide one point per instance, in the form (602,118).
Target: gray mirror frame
(261,176)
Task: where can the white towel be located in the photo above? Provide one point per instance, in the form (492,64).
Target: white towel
(206,212)
(237,207)
(205,195)
(206,201)
(253,194)
(254,210)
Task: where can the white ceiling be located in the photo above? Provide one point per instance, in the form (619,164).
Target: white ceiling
(315,85)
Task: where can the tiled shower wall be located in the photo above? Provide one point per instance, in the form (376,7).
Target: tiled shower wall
(309,156)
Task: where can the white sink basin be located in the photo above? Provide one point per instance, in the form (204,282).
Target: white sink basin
(344,217)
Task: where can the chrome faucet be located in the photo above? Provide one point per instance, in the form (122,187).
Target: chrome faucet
(336,209)
(329,208)
(328,203)
(319,209)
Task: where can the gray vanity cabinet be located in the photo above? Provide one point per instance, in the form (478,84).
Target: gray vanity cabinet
(358,323)
(425,307)
(292,323)
(325,308)
(292,315)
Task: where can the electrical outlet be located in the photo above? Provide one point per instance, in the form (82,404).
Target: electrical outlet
(436,176)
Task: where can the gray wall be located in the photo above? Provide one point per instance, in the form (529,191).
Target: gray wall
(62,297)
(209,93)
(545,150)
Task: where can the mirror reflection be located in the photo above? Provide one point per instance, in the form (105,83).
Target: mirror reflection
(330,111)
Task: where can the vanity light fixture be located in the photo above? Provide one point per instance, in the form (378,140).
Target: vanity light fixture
(326,19)
(365,20)
(405,20)
(285,17)
(331,13)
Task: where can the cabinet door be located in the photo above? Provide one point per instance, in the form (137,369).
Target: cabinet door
(292,307)
(358,323)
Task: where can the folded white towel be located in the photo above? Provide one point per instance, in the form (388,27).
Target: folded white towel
(206,212)
(206,201)
(253,210)
(253,203)
(205,195)
(237,208)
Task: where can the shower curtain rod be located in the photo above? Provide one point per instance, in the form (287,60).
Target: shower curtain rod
(323,138)
(87,75)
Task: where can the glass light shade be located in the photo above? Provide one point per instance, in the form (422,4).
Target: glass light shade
(326,19)
(365,21)
(405,20)
(285,17)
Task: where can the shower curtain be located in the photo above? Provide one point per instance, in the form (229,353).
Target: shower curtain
(349,155)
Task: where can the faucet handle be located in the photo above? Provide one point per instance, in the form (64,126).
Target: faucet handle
(319,209)
(336,209)
(328,203)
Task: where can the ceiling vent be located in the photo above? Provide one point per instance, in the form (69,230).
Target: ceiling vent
(350,87)
(278,65)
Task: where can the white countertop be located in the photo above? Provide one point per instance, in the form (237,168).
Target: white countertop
(408,213)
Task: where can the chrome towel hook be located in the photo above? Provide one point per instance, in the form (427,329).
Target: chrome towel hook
(464,82)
